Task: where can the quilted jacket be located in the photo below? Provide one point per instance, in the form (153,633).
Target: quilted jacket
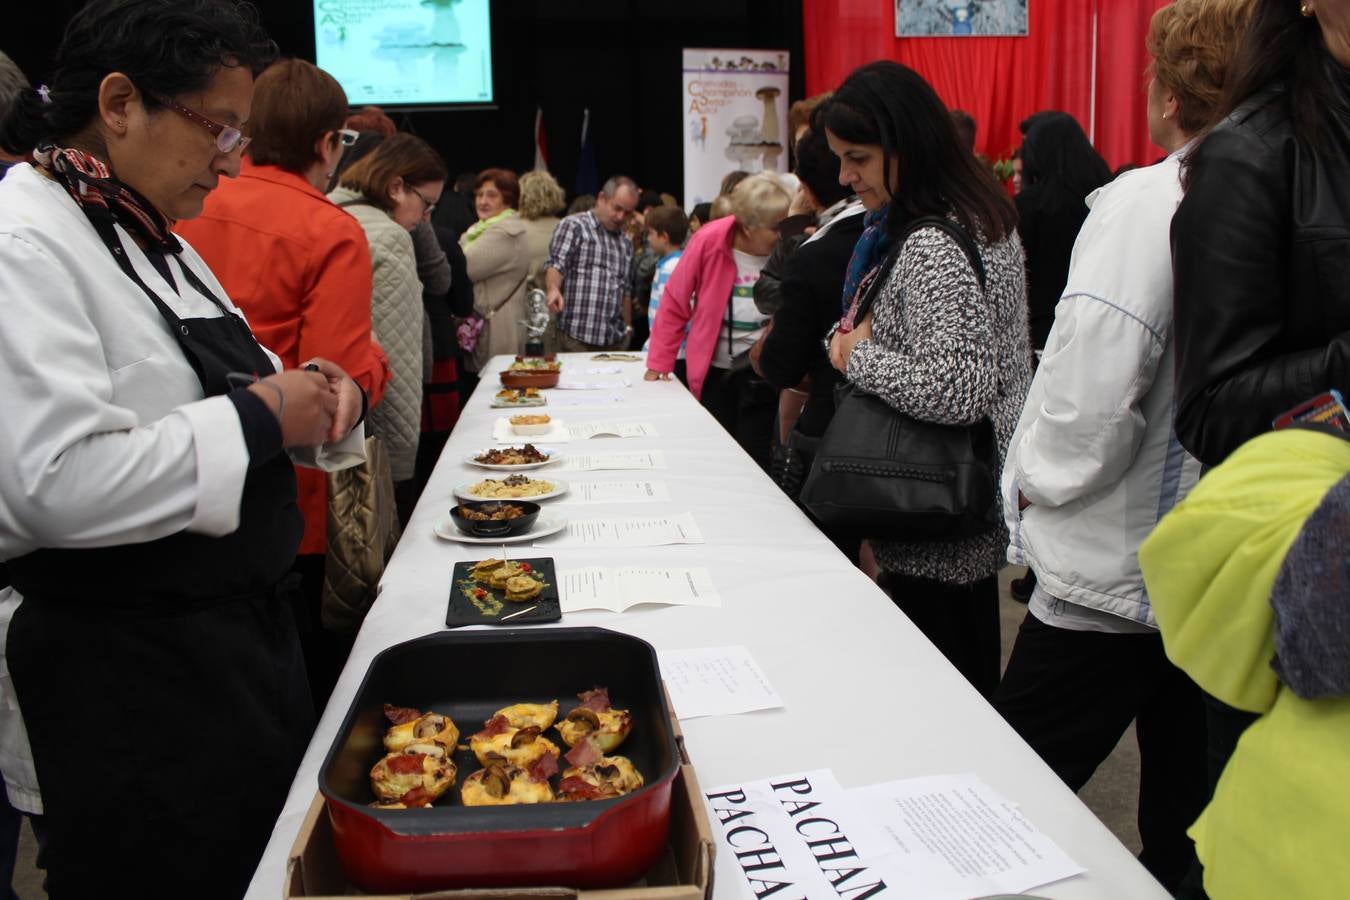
(397,317)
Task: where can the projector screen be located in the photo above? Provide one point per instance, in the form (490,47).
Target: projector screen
(406,52)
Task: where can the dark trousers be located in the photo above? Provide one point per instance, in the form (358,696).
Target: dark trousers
(745,405)
(960,619)
(1072,694)
(325,650)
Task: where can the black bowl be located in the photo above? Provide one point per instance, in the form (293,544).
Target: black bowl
(494,528)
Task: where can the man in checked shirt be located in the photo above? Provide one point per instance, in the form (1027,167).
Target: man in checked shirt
(587,272)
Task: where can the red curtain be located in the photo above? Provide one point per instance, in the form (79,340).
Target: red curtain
(1002,80)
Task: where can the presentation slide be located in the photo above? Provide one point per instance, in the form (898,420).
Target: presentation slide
(406,52)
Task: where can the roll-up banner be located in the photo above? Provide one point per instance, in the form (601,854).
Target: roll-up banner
(735,117)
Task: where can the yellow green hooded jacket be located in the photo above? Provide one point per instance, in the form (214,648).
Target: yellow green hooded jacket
(1279,822)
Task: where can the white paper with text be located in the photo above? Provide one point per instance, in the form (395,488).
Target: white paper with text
(582,431)
(600,462)
(616,590)
(715,681)
(633,531)
(637,491)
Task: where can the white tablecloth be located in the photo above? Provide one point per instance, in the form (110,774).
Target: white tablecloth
(830,642)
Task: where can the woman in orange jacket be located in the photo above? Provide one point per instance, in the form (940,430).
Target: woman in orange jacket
(299,268)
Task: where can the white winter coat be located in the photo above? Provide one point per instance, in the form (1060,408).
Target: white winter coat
(1094,450)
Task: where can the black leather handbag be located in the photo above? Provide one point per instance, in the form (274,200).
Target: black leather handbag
(881,474)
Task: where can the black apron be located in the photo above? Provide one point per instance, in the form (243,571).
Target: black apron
(162,683)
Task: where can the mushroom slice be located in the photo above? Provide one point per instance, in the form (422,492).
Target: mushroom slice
(524,736)
(502,786)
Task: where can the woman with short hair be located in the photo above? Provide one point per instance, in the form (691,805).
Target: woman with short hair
(940,344)
(497,251)
(154,696)
(541,200)
(390,192)
(299,268)
(720,265)
(1094,464)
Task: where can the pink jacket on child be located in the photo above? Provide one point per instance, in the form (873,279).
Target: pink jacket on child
(707,268)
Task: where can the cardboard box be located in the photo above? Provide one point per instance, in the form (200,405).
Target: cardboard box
(684,873)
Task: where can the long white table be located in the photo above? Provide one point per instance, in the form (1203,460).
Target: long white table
(830,642)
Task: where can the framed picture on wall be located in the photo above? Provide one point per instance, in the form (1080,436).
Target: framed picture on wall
(948,18)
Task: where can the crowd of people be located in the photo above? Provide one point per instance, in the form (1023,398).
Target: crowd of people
(227,294)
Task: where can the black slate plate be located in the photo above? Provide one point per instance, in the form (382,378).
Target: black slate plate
(493,608)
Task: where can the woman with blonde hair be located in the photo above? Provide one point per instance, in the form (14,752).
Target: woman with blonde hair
(541,199)
(497,251)
(390,192)
(721,265)
(1094,464)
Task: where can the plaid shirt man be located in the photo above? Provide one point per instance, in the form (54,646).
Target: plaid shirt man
(595,264)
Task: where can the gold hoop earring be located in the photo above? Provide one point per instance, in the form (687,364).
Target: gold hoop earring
(1305,10)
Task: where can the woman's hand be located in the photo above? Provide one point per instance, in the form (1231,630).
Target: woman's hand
(303,404)
(653,375)
(843,342)
(349,397)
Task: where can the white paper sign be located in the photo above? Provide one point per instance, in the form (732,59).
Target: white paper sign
(636,531)
(793,837)
(620,589)
(734,116)
(599,462)
(592,384)
(715,681)
(953,836)
(585,398)
(585,430)
(616,492)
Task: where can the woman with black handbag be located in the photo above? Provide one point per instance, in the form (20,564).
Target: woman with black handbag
(936,327)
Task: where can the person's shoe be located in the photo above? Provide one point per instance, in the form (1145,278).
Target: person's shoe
(1021,588)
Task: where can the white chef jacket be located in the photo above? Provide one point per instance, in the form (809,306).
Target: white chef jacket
(106,437)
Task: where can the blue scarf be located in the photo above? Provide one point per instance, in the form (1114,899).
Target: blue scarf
(867,253)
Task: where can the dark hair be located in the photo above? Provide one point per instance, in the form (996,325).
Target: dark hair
(581,203)
(166,47)
(730,180)
(295,103)
(818,168)
(371,118)
(702,212)
(889,104)
(965,126)
(670,221)
(504,180)
(1281,45)
(401,156)
(647,199)
(1059,160)
(366,142)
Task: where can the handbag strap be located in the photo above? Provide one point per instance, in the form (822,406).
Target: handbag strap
(942,223)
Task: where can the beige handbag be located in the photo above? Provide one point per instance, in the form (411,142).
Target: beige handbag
(362,532)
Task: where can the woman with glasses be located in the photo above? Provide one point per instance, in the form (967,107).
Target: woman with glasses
(497,250)
(154,696)
(389,192)
(299,268)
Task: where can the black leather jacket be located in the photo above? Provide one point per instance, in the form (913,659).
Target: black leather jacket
(1261,262)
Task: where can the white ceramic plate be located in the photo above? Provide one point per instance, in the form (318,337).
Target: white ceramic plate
(543,527)
(559,488)
(552,455)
